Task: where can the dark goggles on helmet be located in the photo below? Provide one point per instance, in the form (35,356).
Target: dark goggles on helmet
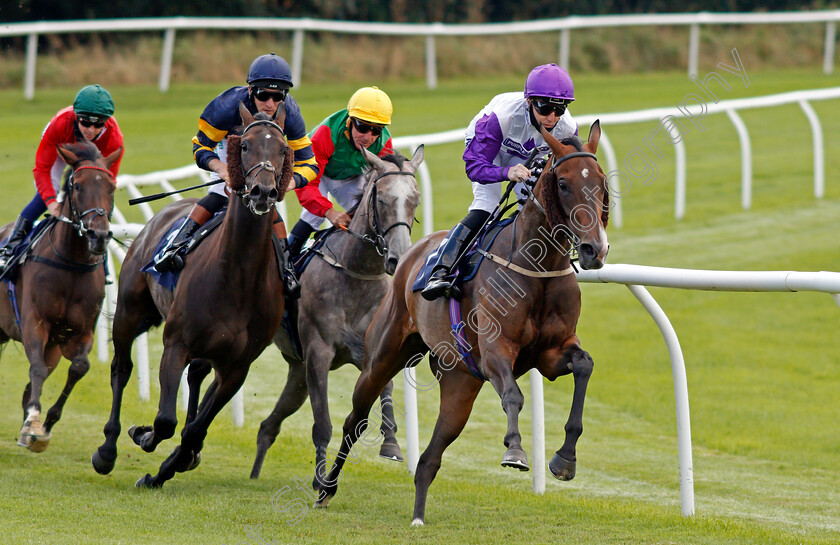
(263,95)
(364,128)
(544,106)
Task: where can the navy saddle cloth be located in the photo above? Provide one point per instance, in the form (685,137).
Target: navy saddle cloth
(472,261)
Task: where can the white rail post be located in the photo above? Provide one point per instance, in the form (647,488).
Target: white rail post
(565,44)
(297,56)
(680,191)
(680,395)
(238,408)
(141,343)
(746,159)
(431,62)
(31,59)
(537,431)
(693,49)
(166,59)
(819,153)
(828,58)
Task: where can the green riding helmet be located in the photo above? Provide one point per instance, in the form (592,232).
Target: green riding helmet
(93,104)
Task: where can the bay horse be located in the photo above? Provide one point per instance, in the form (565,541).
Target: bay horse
(60,286)
(522,311)
(341,289)
(225,308)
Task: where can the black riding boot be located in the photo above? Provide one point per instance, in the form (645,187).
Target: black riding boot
(22,228)
(171,257)
(298,237)
(291,285)
(438,283)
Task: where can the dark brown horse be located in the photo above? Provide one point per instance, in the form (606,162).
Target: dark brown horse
(60,286)
(340,292)
(225,309)
(521,313)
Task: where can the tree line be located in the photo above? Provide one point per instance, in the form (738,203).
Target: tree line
(445,11)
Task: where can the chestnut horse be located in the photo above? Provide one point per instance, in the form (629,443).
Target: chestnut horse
(60,286)
(522,310)
(225,308)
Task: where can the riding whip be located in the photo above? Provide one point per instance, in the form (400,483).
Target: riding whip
(157,196)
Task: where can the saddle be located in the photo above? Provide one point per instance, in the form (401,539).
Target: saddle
(22,251)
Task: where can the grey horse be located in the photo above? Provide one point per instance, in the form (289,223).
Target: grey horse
(340,292)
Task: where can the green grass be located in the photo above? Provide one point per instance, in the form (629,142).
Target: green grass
(762,372)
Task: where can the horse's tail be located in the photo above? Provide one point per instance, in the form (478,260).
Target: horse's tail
(355,343)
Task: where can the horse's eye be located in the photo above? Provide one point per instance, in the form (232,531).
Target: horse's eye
(76,186)
(563,187)
(243,146)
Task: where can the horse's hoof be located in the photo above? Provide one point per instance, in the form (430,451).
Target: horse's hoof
(516,458)
(146,481)
(562,468)
(418,522)
(25,440)
(102,465)
(138,434)
(40,442)
(391,451)
(323,502)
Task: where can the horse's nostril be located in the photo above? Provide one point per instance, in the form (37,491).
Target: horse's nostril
(273,195)
(255,192)
(587,250)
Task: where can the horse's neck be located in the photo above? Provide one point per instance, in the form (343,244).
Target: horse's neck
(65,240)
(243,240)
(533,237)
(354,253)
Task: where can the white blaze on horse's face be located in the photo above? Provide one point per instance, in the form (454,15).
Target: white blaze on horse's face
(585,173)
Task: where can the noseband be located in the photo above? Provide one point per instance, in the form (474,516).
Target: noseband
(76,218)
(378,240)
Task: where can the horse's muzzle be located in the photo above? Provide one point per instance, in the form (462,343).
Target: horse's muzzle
(98,240)
(261,199)
(592,255)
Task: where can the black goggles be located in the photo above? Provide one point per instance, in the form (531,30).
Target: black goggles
(544,107)
(263,95)
(364,128)
(88,124)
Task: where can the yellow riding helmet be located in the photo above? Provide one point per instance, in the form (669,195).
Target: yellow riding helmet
(371,104)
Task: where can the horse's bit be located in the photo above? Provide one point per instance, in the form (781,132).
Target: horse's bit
(262,165)
(77,219)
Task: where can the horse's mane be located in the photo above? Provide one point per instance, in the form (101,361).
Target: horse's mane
(397,158)
(573,141)
(85,151)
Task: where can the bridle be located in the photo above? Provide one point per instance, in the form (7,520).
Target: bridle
(262,165)
(77,219)
(378,239)
(556,162)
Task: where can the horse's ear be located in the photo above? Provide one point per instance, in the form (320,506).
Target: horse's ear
(246,116)
(594,136)
(113,157)
(417,158)
(69,157)
(236,180)
(279,116)
(373,159)
(553,143)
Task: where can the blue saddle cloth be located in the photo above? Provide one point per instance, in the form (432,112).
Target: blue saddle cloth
(167,279)
(15,262)
(302,261)
(471,262)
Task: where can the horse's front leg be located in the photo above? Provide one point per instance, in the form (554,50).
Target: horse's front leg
(319,357)
(172,365)
(35,334)
(498,357)
(563,463)
(77,352)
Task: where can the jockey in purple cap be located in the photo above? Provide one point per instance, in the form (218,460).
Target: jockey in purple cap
(499,141)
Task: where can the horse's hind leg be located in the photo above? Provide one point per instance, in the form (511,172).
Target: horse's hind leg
(563,463)
(292,397)
(457,395)
(390,448)
(192,438)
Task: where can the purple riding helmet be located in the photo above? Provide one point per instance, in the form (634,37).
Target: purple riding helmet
(550,81)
